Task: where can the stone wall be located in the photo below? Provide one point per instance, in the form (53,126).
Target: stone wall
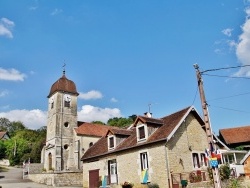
(129,169)
(58,179)
(189,138)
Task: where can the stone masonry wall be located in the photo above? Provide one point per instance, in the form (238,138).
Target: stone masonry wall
(129,169)
(189,138)
(58,179)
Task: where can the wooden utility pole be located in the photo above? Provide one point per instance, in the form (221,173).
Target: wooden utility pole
(215,171)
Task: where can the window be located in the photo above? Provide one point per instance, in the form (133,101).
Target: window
(111,142)
(52,105)
(144,160)
(203,159)
(67,104)
(66,124)
(142,132)
(66,146)
(196,162)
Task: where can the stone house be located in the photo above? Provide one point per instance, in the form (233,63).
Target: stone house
(236,137)
(151,150)
(246,163)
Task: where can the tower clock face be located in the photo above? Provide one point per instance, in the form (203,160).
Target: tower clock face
(67,98)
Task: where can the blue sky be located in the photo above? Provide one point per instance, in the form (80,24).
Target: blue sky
(125,55)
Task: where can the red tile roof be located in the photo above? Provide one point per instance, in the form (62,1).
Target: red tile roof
(170,122)
(91,129)
(2,133)
(236,135)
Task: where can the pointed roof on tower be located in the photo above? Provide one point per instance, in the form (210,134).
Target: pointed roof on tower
(63,84)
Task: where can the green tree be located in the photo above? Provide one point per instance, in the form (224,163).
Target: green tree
(120,122)
(2,149)
(98,122)
(4,124)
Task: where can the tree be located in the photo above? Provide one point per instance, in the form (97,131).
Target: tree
(2,149)
(98,122)
(120,122)
(4,124)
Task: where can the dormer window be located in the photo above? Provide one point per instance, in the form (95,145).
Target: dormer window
(111,142)
(142,132)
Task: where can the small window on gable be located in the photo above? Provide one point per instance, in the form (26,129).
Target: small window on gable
(142,132)
(111,142)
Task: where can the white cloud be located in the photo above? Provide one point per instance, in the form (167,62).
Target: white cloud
(243,47)
(90,113)
(227,32)
(56,11)
(33,119)
(11,74)
(3,93)
(93,94)
(113,100)
(6,26)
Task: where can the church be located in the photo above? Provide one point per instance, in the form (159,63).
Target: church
(67,139)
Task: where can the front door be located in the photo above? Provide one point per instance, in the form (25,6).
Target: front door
(94,178)
(113,171)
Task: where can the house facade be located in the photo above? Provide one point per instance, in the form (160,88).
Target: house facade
(151,151)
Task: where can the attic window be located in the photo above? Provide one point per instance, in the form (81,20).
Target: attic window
(111,142)
(142,132)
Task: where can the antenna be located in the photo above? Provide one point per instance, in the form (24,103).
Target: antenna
(149,107)
(64,65)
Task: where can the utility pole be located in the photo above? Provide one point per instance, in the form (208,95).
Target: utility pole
(215,171)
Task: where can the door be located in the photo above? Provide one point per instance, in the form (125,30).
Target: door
(113,172)
(94,178)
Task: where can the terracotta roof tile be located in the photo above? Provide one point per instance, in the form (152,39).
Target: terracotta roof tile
(169,123)
(236,135)
(91,129)
(64,85)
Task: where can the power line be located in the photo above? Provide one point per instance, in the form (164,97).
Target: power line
(230,109)
(229,96)
(225,68)
(195,95)
(226,76)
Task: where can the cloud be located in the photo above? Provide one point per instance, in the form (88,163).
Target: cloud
(113,100)
(93,94)
(11,75)
(90,113)
(6,26)
(227,32)
(243,46)
(33,119)
(3,93)
(56,11)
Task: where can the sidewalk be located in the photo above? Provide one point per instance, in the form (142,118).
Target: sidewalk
(13,178)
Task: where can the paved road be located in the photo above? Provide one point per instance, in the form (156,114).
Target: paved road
(13,178)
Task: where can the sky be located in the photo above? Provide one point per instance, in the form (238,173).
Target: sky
(126,57)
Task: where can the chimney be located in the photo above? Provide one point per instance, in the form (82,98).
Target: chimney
(148,114)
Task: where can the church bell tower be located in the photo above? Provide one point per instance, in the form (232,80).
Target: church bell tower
(61,121)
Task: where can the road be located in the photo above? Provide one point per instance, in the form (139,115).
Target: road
(13,178)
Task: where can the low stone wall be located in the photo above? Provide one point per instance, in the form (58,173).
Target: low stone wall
(58,179)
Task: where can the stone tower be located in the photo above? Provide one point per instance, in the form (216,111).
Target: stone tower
(61,121)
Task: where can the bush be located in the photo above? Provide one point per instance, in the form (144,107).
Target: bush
(153,185)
